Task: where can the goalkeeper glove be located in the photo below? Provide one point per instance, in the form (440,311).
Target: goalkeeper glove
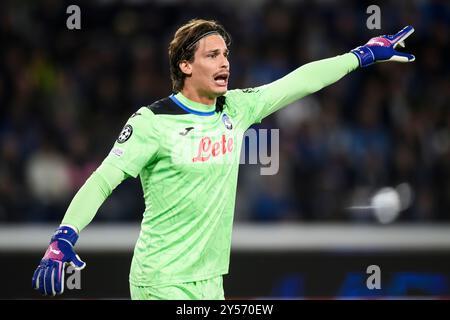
(382,48)
(49,275)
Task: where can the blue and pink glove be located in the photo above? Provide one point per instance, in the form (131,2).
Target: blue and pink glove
(49,275)
(382,48)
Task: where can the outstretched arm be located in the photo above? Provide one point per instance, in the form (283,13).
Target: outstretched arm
(316,75)
(304,81)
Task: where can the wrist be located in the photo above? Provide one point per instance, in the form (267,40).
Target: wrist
(365,56)
(65,232)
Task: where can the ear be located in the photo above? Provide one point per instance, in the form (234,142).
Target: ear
(185,67)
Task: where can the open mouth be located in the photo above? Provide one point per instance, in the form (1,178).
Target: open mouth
(221,79)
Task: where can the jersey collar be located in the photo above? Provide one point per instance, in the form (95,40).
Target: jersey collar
(191,106)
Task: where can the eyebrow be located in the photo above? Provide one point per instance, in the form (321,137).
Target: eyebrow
(217,51)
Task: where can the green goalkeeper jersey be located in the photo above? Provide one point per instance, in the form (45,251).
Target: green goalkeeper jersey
(187,157)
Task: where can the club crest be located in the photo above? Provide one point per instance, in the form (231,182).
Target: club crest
(227,122)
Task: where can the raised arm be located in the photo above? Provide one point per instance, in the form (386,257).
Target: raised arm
(312,77)
(304,81)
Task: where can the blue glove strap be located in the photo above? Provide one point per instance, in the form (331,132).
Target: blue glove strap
(364,55)
(66,233)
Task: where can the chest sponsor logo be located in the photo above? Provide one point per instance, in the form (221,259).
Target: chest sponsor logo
(208,148)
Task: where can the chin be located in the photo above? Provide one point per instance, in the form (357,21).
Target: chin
(221,91)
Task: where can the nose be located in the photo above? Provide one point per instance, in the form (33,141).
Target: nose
(225,63)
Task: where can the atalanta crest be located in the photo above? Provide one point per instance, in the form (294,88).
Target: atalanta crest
(227,122)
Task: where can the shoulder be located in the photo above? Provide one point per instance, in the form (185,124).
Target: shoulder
(165,106)
(148,118)
(151,112)
(142,122)
(245,94)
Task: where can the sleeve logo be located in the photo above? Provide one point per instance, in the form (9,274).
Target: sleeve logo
(117,152)
(126,133)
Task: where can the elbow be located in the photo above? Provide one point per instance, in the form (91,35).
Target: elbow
(313,86)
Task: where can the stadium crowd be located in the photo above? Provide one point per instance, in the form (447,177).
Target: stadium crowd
(65,95)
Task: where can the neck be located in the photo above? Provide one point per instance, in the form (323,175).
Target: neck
(197,97)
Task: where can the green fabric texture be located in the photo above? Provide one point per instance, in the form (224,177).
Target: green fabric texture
(209,289)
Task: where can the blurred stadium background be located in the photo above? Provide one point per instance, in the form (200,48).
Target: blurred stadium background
(307,232)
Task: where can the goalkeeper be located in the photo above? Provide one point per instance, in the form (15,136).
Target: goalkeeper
(186,149)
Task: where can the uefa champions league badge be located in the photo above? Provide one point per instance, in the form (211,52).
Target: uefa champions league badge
(227,122)
(126,133)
